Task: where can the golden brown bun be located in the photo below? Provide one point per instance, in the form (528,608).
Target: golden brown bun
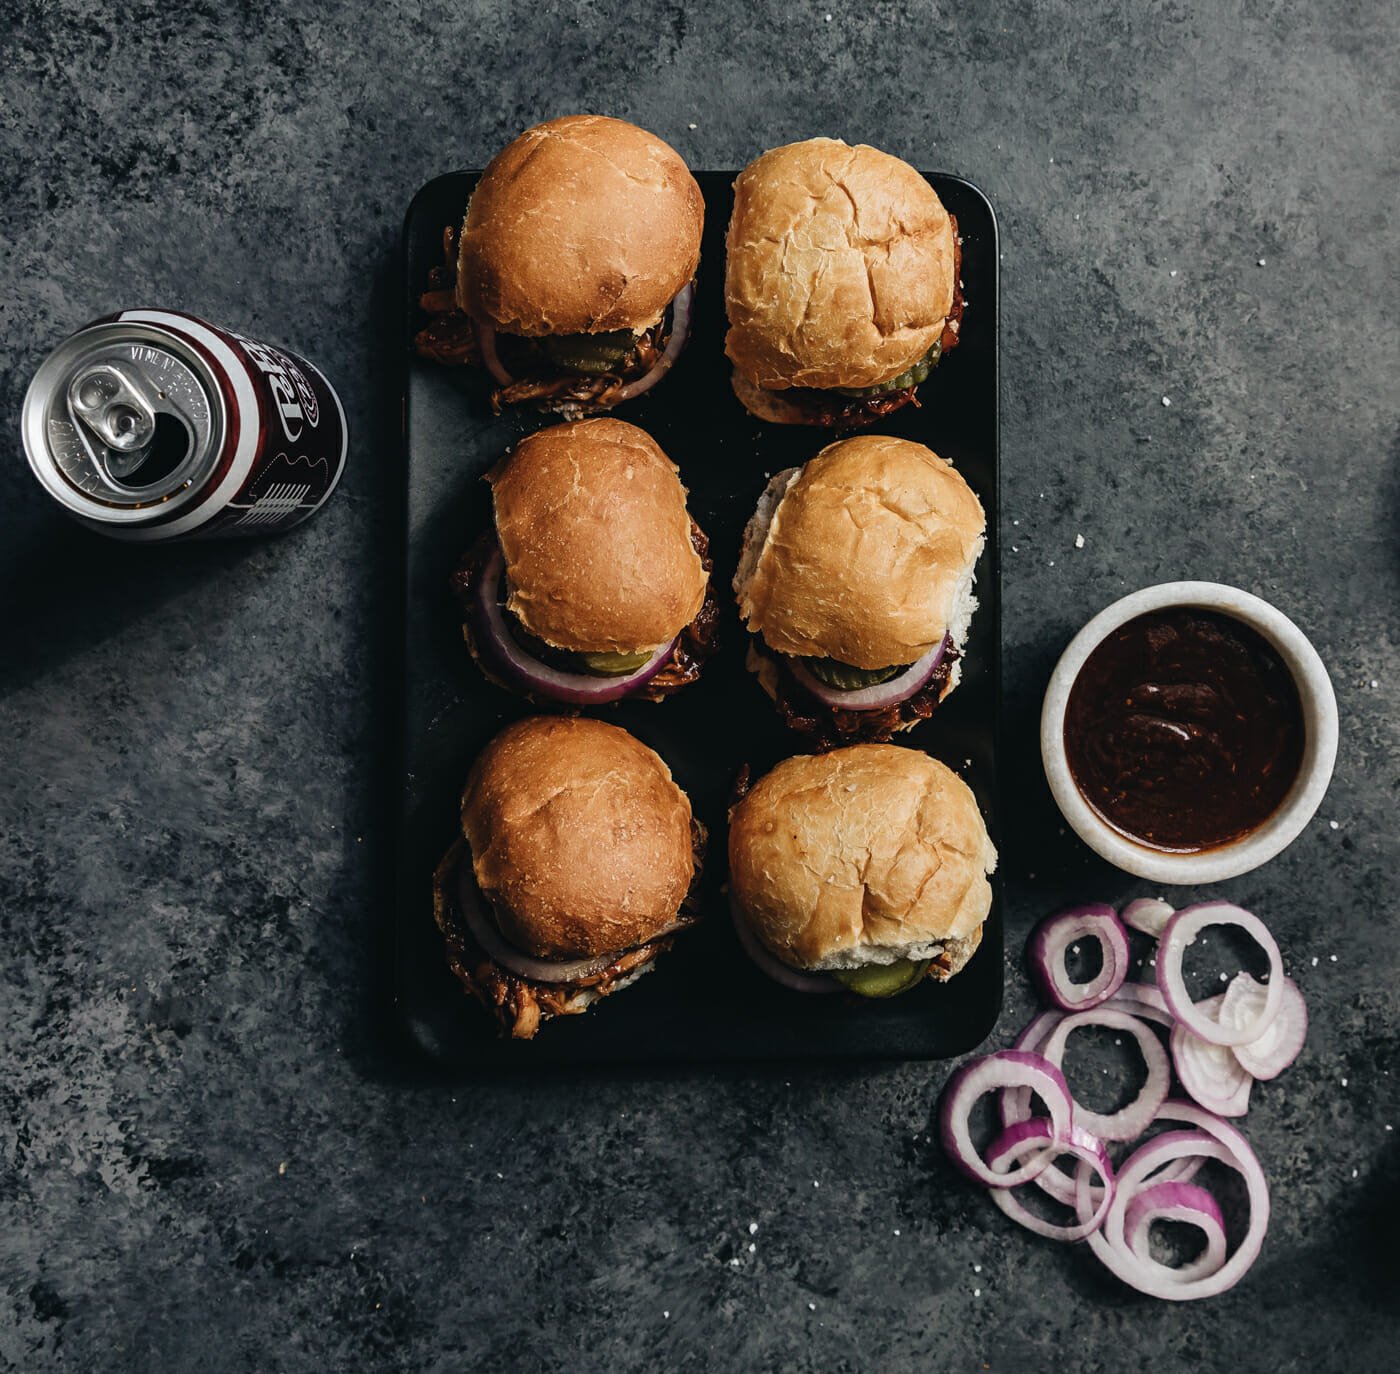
(839,270)
(868,557)
(593,523)
(582,224)
(579,838)
(862,856)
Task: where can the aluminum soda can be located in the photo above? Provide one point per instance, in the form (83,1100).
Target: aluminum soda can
(154,424)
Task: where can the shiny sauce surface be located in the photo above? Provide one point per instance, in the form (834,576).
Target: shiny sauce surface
(1184,729)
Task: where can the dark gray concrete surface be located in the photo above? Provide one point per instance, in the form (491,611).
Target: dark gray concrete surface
(210,1157)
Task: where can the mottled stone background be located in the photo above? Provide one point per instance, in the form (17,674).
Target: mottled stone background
(210,1157)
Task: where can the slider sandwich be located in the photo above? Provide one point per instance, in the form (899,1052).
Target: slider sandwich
(571,278)
(593,583)
(864,869)
(856,584)
(576,867)
(841,284)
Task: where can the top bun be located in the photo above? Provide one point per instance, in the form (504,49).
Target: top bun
(579,838)
(582,224)
(596,536)
(867,556)
(862,856)
(839,270)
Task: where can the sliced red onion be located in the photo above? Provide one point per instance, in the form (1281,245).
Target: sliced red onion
(1148,915)
(1004,1069)
(797,979)
(1109,1243)
(1141,999)
(877,698)
(1180,1202)
(1284,1036)
(1016,1102)
(1179,935)
(531,675)
(1032,1137)
(680,331)
(483,929)
(1054,935)
(1131,1121)
(486,344)
(1210,1073)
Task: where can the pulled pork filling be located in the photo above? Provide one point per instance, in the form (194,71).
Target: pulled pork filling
(520,1004)
(694,644)
(543,377)
(841,409)
(830,726)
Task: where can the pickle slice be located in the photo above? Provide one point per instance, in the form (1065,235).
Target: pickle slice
(613,665)
(846,678)
(913,377)
(594,353)
(883,980)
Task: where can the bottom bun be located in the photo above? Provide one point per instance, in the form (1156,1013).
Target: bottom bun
(808,406)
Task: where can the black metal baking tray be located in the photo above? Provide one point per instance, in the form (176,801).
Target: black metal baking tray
(705,1001)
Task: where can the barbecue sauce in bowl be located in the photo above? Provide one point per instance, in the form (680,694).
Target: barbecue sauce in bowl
(1184,730)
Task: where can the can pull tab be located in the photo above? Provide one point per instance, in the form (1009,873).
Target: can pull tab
(119,407)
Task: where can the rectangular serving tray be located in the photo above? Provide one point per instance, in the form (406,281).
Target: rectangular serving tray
(705,1000)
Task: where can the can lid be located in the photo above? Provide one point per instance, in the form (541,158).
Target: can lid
(123,422)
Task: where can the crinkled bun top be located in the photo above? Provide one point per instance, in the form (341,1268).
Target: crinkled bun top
(592,521)
(579,837)
(868,557)
(581,225)
(842,859)
(839,270)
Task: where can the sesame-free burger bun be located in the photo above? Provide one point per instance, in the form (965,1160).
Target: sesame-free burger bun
(583,224)
(865,855)
(592,521)
(866,555)
(579,837)
(839,269)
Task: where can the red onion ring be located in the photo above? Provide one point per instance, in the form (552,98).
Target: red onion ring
(1181,1202)
(1027,1137)
(879,697)
(1054,935)
(1180,933)
(1109,1243)
(1141,999)
(796,979)
(483,929)
(1004,1069)
(1283,1038)
(680,331)
(486,345)
(1210,1073)
(531,675)
(1131,1121)
(1149,915)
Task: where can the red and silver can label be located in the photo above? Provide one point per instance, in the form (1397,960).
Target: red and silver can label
(154,424)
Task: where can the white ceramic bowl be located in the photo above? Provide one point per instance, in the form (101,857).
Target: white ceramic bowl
(1319,746)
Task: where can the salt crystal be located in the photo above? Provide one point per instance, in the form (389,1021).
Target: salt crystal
(753,1249)
(896,1229)
(976,1268)
(1166,400)
(1173,272)
(1314,961)
(753,1228)
(811,1307)
(1261,262)
(666,1314)
(1332,957)
(1344,1082)
(693,126)
(976,1292)
(1078,541)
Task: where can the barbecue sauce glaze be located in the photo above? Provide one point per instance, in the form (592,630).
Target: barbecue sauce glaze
(1184,730)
